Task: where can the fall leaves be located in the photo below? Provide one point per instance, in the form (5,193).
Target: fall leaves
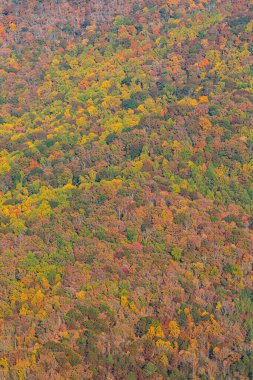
(125,192)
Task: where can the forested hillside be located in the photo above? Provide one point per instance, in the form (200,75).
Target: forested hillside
(126,190)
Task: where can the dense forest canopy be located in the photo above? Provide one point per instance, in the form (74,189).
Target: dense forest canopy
(126,190)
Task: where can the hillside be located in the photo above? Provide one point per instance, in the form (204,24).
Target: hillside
(126,190)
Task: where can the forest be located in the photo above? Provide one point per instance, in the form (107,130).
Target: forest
(126,190)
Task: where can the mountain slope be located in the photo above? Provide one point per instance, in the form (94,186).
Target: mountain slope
(126,190)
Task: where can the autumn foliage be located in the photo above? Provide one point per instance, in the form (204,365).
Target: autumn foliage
(126,190)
